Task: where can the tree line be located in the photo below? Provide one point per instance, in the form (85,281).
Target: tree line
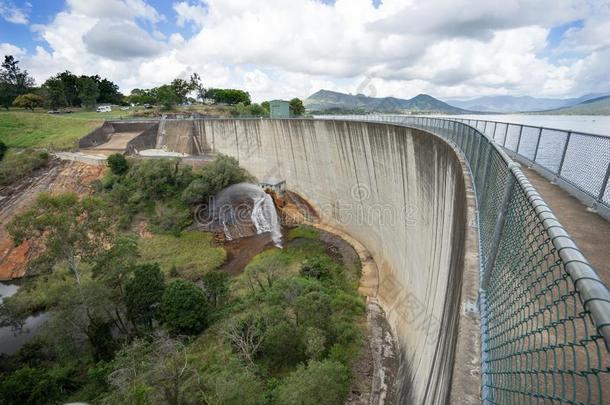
(65,89)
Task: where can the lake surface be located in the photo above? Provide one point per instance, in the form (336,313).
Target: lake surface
(11,338)
(594,124)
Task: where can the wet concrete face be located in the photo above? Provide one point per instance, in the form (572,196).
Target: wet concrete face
(398,191)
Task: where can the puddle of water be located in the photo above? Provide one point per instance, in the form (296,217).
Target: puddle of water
(11,338)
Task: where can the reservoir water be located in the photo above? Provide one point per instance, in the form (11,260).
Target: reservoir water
(594,124)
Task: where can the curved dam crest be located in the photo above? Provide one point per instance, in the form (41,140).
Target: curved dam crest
(401,193)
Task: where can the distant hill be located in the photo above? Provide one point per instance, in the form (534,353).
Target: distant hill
(506,104)
(325,100)
(596,106)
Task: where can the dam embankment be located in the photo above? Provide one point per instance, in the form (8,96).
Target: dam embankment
(401,193)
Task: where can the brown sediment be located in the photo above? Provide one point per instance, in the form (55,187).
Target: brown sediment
(241,251)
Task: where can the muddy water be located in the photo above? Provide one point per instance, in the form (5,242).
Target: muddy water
(13,337)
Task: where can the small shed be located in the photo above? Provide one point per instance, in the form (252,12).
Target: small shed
(277,185)
(279,109)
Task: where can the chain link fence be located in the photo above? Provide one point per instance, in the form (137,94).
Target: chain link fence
(545,314)
(578,162)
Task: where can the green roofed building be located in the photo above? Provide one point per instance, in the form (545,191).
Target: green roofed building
(279,109)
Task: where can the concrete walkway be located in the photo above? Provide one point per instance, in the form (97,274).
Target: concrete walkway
(590,231)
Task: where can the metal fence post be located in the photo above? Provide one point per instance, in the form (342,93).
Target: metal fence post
(563,155)
(495,127)
(505,136)
(600,197)
(519,140)
(537,144)
(499,226)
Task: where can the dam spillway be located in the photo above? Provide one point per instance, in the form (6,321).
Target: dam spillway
(398,191)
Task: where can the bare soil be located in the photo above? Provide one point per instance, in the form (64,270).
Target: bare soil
(58,177)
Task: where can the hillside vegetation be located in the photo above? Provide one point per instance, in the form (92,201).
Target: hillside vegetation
(151,320)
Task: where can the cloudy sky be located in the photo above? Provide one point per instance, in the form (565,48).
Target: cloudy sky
(286,48)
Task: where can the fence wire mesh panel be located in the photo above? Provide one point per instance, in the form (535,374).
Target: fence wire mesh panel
(512,137)
(587,173)
(581,160)
(529,142)
(545,314)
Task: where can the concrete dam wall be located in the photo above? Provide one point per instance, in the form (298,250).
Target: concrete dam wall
(401,193)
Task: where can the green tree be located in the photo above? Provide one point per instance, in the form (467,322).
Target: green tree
(296,107)
(142,96)
(28,101)
(109,92)
(216,286)
(197,86)
(88,91)
(118,164)
(184,308)
(13,81)
(55,93)
(229,96)
(72,229)
(143,294)
(318,383)
(181,88)
(223,172)
(266,107)
(167,97)
(71,87)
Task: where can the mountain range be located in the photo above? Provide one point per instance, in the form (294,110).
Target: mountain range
(507,104)
(325,100)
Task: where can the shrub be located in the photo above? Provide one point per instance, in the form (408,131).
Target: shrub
(143,293)
(315,267)
(216,286)
(118,164)
(184,308)
(318,383)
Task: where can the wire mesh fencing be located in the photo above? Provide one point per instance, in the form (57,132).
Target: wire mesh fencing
(545,314)
(580,160)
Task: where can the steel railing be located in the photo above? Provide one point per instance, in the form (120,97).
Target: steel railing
(545,313)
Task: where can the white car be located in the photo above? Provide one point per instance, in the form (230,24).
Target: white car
(104,108)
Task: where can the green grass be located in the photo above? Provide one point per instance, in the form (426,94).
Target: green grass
(192,253)
(24,129)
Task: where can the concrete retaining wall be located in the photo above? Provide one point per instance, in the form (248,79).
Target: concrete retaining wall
(401,193)
(146,140)
(102,134)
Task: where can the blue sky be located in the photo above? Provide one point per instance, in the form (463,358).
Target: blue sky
(279,48)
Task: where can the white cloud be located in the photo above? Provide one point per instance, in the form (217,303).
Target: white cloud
(14,14)
(10,49)
(121,40)
(121,9)
(189,13)
(446,48)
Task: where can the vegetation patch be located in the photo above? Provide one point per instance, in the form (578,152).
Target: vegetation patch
(17,165)
(192,254)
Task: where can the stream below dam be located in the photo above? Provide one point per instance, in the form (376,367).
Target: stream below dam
(12,337)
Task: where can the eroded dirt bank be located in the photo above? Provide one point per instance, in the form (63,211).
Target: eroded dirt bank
(59,176)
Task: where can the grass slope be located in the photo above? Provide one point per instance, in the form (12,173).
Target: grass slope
(192,253)
(24,129)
